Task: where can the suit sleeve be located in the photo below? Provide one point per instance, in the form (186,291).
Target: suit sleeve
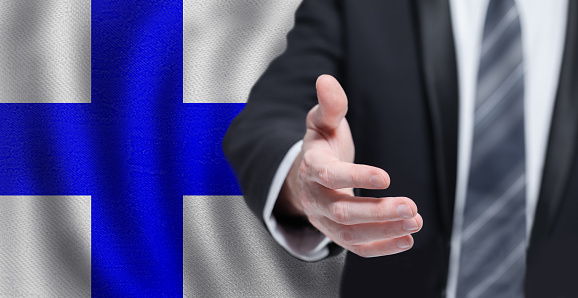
(274,118)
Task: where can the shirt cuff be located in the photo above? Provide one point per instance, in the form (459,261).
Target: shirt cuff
(307,244)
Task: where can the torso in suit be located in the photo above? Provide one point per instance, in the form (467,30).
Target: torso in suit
(404,50)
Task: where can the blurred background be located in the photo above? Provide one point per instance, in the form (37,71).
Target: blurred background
(227,250)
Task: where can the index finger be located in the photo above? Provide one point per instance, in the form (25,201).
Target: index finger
(350,210)
(327,170)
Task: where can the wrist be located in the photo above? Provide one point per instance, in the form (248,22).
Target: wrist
(288,210)
(289,203)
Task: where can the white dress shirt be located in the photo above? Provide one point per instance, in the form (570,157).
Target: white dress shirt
(543,26)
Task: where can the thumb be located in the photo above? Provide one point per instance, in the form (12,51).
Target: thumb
(332,105)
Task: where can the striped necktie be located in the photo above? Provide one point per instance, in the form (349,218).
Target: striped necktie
(493,243)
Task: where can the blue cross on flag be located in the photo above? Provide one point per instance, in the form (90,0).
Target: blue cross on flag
(123,151)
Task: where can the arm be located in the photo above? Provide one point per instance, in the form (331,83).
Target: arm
(319,185)
(274,118)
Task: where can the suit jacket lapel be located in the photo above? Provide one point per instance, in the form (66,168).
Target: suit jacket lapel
(563,136)
(441,83)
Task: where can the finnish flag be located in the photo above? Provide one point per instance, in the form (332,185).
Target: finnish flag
(112,177)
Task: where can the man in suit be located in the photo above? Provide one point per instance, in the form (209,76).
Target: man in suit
(472,109)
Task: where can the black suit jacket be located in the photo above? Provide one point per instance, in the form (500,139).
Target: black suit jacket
(397,63)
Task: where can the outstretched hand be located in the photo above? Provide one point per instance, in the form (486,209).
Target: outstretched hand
(321,181)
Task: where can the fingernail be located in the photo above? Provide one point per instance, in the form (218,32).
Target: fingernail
(378,181)
(410,224)
(404,211)
(402,243)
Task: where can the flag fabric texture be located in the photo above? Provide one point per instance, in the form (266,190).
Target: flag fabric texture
(112,177)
